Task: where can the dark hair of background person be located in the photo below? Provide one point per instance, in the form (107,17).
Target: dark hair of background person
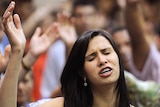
(114,29)
(74,92)
(83,3)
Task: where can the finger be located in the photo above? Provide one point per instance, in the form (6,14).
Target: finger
(9,10)
(59,18)
(9,24)
(37,32)
(7,18)
(8,21)
(17,21)
(63,18)
(66,17)
(7,51)
(52,32)
(48,30)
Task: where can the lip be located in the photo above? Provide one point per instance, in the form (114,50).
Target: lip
(106,74)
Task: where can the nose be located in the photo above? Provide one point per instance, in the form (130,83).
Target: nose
(101,60)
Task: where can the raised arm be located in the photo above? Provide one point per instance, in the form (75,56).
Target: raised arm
(13,29)
(139,36)
(32,21)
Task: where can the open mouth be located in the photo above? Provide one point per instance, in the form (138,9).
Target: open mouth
(105,70)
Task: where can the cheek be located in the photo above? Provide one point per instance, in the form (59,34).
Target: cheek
(117,66)
(89,67)
(91,71)
(116,62)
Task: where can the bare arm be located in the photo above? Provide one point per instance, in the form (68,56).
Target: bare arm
(13,29)
(139,37)
(36,17)
(32,22)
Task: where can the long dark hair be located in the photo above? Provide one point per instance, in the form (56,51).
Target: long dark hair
(74,92)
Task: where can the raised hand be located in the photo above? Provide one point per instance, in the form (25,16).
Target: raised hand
(66,28)
(14,31)
(40,43)
(13,28)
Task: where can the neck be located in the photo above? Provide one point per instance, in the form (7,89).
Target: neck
(105,97)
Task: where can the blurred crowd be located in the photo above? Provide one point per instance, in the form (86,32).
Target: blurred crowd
(133,24)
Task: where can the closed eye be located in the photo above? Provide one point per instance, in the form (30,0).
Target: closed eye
(90,57)
(106,51)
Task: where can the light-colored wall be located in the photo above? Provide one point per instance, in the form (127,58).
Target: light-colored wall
(43,2)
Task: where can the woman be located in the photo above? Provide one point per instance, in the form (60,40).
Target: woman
(93,75)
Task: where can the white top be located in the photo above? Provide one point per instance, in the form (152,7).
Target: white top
(151,69)
(55,62)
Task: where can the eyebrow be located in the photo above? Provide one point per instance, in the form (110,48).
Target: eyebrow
(92,54)
(102,50)
(106,49)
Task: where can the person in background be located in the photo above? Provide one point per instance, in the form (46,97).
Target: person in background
(85,15)
(142,93)
(145,64)
(122,38)
(25,87)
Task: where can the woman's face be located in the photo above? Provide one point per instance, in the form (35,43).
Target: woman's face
(101,62)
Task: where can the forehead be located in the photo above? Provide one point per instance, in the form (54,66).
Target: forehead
(100,42)
(121,35)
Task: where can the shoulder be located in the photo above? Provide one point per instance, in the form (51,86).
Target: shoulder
(55,102)
(131,105)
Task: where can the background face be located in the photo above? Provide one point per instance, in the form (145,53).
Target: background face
(123,42)
(24,89)
(84,18)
